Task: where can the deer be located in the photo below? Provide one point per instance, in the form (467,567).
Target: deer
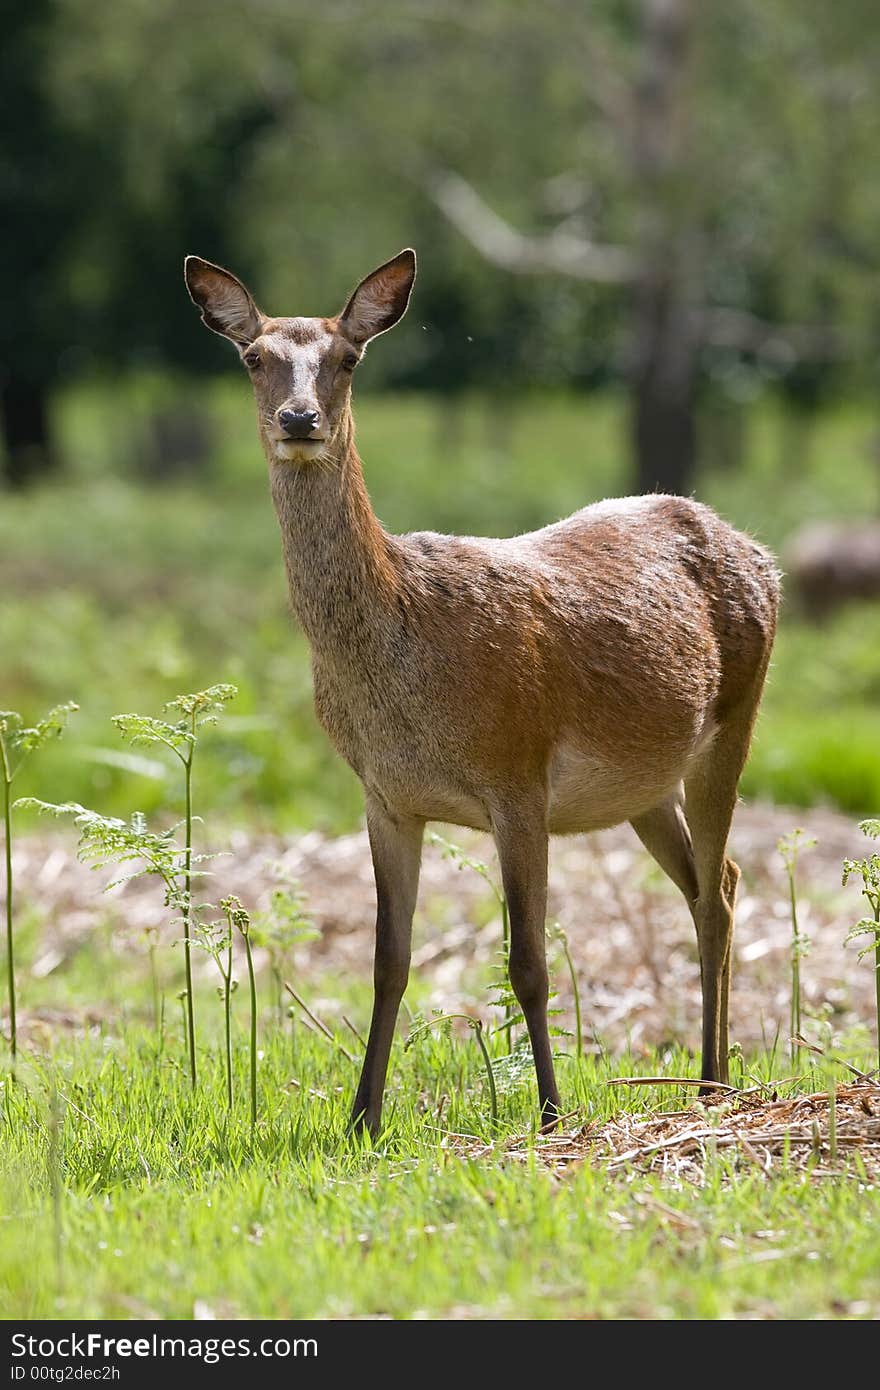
(603,669)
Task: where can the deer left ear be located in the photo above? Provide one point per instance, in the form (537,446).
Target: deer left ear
(380,301)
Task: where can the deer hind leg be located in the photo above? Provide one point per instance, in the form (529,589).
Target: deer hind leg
(522,842)
(710,798)
(665,834)
(396,847)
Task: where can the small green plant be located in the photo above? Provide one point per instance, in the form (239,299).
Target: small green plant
(476,1025)
(556,933)
(216,939)
(151,937)
(735,1057)
(56,1186)
(832,1114)
(868,870)
(238,918)
(17,743)
(514,1069)
(285,925)
(109,840)
(790,847)
(504,997)
(196,709)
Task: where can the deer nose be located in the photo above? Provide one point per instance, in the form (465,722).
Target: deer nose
(298,424)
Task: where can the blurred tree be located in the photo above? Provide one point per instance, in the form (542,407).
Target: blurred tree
(657,191)
(93,222)
(170,110)
(689,100)
(700,173)
(37,222)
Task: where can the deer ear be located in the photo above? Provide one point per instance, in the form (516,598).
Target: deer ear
(227,307)
(380,301)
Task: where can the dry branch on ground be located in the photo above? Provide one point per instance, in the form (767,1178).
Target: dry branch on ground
(753,1129)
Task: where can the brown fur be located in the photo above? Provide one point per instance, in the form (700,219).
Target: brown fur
(605,668)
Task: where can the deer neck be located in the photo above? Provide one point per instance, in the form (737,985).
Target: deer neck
(339,559)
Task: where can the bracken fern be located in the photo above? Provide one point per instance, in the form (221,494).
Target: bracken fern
(868,870)
(17,742)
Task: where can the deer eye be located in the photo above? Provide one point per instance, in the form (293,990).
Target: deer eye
(349,361)
(252,361)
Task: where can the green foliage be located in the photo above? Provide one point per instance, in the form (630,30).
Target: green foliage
(475,1024)
(204,706)
(142,729)
(503,996)
(514,1069)
(556,933)
(285,925)
(197,128)
(790,848)
(868,870)
(287,921)
(18,742)
(198,709)
(463,860)
(109,840)
(216,938)
(239,920)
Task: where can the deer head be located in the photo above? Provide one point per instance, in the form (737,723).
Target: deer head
(301,368)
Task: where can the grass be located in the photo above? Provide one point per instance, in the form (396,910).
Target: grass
(126,1193)
(164,1203)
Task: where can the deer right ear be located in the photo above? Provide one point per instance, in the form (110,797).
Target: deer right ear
(227,307)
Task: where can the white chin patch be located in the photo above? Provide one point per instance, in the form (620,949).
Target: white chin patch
(295,450)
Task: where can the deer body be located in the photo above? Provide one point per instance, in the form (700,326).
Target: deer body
(458,670)
(605,668)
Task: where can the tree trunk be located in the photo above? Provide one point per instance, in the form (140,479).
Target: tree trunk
(664,345)
(663,408)
(24,420)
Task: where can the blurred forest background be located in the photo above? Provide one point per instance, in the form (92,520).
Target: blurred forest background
(649,242)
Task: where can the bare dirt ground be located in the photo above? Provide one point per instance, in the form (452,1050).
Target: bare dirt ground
(629,933)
